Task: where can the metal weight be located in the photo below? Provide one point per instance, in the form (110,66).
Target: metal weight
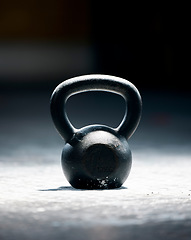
(96,156)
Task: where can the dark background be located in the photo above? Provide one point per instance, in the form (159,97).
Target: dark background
(145,43)
(42,43)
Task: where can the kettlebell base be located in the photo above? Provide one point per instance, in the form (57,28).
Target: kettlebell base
(95,184)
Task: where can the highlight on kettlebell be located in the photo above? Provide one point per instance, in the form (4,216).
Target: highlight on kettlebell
(96,156)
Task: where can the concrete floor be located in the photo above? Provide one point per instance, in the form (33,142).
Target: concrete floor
(36,202)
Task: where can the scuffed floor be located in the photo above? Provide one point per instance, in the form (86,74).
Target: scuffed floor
(36,202)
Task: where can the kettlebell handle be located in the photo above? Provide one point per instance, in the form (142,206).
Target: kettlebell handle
(96,82)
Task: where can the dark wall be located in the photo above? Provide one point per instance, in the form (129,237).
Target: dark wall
(143,43)
(49,41)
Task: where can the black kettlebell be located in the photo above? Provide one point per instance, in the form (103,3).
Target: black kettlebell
(96,156)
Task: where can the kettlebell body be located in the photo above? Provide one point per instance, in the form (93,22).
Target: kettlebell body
(96,156)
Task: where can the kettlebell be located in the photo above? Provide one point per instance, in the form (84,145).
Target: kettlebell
(96,156)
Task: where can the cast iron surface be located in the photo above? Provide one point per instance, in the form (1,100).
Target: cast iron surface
(96,156)
(95,83)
